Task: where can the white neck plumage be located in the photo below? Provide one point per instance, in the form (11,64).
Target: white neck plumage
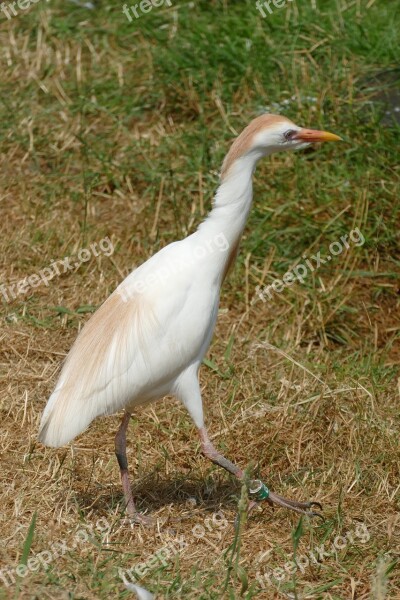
(231,206)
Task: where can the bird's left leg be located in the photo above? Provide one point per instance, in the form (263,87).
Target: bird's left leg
(120,452)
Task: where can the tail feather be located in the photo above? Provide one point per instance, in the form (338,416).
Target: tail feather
(62,420)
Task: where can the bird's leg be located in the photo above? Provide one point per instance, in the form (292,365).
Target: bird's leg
(212,453)
(257,488)
(120,452)
(260,492)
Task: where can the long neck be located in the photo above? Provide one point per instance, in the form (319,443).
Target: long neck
(228,217)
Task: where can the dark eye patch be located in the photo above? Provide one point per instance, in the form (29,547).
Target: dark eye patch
(290,134)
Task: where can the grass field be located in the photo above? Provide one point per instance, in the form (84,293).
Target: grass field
(116,129)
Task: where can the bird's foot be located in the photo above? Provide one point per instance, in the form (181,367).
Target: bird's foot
(144,520)
(259,491)
(133,516)
(137,518)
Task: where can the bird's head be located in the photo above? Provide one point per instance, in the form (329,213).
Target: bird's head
(271,133)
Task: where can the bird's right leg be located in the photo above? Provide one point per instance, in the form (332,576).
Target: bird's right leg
(257,488)
(189,393)
(120,452)
(218,459)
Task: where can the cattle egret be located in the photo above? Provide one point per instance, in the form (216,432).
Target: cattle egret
(150,336)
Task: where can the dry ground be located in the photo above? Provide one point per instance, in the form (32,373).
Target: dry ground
(110,130)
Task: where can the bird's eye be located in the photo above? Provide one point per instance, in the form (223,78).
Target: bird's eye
(289,134)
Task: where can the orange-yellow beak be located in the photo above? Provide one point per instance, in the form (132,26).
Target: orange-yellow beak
(313,135)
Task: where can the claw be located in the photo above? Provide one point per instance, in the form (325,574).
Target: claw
(312,514)
(259,491)
(313,503)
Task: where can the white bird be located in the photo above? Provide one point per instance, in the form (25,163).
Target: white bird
(150,336)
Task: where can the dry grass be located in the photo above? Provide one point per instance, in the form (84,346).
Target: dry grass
(101,136)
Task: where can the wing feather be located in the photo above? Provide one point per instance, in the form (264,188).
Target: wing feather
(94,380)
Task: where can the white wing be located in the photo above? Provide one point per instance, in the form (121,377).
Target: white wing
(155,324)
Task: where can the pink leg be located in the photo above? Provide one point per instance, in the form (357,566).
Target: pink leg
(120,452)
(217,458)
